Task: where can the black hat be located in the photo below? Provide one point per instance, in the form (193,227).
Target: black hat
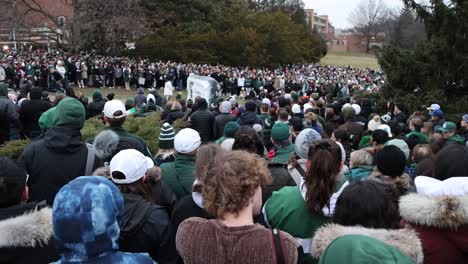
(250,106)
(390,161)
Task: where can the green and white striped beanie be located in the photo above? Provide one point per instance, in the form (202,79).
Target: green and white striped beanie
(166,137)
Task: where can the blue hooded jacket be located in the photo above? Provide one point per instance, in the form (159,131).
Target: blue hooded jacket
(86,215)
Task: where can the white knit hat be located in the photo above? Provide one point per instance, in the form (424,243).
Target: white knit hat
(374,123)
(296,109)
(357,108)
(187,141)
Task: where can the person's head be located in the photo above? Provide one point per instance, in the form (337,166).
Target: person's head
(416,124)
(233,183)
(85,215)
(341,135)
(263,109)
(187,141)
(166,137)
(230,129)
(296,124)
(128,170)
(349,113)
(13,185)
(312,117)
(464,121)
(390,161)
(448,129)
(437,115)
(402,145)
(69,113)
(250,106)
(247,139)
(97,96)
(129,103)
(225,107)
(304,140)
(280,133)
(114,113)
(176,106)
(379,137)
(110,96)
(204,159)
(369,204)
(283,115)
(420,152)
(374,123)
(325,163)
(202,104)
(451,161)
(427,128)
(360,158)
(35,93)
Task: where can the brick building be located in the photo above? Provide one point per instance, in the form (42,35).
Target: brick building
(35,22)
(321,24)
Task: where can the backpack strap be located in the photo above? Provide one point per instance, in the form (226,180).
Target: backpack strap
(277,247)
(90,159)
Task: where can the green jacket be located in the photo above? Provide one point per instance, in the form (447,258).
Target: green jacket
(365,142)
(421,136)
(359,173)
(180,174)
(123,133)
(282,154)
(457,138)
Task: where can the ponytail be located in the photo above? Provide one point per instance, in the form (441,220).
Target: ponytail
(321,176)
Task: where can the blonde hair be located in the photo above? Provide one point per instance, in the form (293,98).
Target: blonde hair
(360,157)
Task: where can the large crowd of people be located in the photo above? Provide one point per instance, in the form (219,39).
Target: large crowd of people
(292,165)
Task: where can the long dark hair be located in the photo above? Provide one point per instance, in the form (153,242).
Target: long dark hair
(321,177)
(140,187)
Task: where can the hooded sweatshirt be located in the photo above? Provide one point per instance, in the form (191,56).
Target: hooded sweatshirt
(93,206)
(140,98)
(96,107)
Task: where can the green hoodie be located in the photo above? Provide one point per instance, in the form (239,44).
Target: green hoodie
(457,138)
(70,113)
(354,249)
(97,96)
(283,154)
(46,120)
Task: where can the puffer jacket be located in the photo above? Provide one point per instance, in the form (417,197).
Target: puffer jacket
(202,121)
(146,227)
(220,121)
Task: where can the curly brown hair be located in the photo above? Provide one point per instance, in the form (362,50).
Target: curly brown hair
(231,181)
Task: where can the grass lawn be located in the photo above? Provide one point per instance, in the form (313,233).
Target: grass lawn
(358,60)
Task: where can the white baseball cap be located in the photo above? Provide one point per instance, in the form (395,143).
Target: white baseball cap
(132,163)
(187,141)
(433,107)
(113,106)
(357,108)
(387,129)
(296,109)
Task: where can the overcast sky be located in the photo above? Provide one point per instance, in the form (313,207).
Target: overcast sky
(339,10)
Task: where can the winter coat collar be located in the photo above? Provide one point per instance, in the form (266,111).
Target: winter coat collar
(32,229)
(445,211)
(406,240)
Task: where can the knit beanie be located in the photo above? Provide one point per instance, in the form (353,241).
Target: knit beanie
(401,144)
(230,129)
(280,132)
(46,120)
(390,161)
(465,118)
(250,106)
(97,96)
(303,141)
(129,103)
(70,113)
(295,97)
(166,137)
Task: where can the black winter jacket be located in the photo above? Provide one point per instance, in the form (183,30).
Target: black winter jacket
(146,227)
(203,121)
(30,113)
(173,116)
(54,161)
(281,178)
(95,108)
(220,121)
(249,119)
(23,225)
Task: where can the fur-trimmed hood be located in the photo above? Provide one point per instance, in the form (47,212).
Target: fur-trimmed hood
(406,240)
(32,229)
(445,211)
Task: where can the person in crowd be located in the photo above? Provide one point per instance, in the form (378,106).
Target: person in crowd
(179,175)
(26,228)
(415,126)
(202,121)
(390,164)
(378,140)
(351,126)
(297,165)
(222,119)
(62,146)
(168,89)
(449,133)
(311,121)
(175,113)
(31,111)
(369,209)
(8,115)
(96,107)
(249,117)
(297,126)
(229,132)
(360,166)
(232,194)
(166,151)
(140,97)
(145,226)
(423,160)
(437,119)
(312,203)
(192,205)
(344,139)
(85,217)
(264,107)
(438,210)
(464,127)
